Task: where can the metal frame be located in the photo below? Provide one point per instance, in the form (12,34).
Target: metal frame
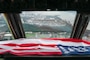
(80,25)
(15,25)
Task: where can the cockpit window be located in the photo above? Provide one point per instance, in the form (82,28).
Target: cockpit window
(48,24)
(86,35)
(4,30)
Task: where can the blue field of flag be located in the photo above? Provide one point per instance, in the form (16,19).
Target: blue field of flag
(74,50)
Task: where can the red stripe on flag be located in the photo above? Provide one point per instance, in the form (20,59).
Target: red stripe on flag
(28,45)
(36,53)
(68,40)
(1,48)
(25,48)
(10,44)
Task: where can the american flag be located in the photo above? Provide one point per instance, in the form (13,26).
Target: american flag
(45,46)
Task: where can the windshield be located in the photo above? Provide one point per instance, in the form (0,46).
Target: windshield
(4,30)
(48,24)
(86,35)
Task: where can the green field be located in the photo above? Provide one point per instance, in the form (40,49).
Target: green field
(28,35)
(1,59)
(38,35)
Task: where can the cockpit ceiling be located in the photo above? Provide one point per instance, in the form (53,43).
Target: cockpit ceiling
(43,5)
